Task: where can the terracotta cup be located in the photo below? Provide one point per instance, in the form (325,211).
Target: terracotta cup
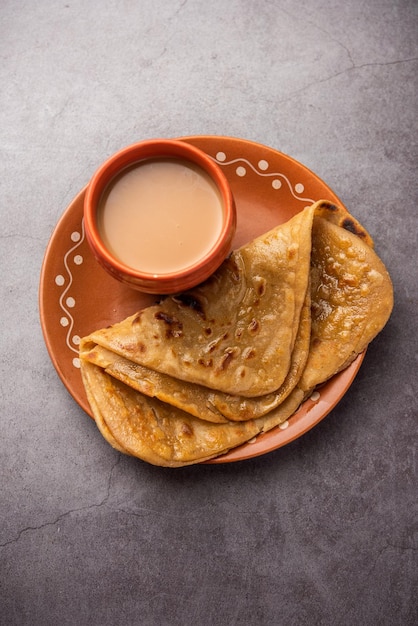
(171,281)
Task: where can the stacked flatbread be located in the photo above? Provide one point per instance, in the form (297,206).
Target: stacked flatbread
(199,373)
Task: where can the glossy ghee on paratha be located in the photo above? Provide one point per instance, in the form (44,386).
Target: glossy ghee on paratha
(352,299)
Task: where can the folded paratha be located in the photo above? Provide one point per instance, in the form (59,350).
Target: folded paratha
(208,404)
(164,435)
(235,332)
(352,298)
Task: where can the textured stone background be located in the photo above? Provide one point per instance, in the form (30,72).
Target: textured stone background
(323,531)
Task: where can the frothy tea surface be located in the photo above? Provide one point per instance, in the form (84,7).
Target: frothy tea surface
(160,215)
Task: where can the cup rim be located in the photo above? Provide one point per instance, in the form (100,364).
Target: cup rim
(141,151)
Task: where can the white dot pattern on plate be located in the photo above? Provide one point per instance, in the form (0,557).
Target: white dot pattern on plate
(315,396)
(67,302)
(241,168)
(284,425)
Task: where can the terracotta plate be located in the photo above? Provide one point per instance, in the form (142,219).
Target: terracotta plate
(77,296)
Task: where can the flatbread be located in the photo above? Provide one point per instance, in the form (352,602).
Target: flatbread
(164,435)
(236,332)
(93,396)
(338,215)
(352,299)
(208,404)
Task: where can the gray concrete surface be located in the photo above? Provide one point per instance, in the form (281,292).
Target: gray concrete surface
(323,531)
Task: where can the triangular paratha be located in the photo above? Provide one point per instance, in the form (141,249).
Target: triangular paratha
(236,332)
(208,404)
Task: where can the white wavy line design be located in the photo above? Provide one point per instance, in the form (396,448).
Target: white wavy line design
(265,174)
(64,293)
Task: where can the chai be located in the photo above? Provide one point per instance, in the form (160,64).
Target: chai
(161,215)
